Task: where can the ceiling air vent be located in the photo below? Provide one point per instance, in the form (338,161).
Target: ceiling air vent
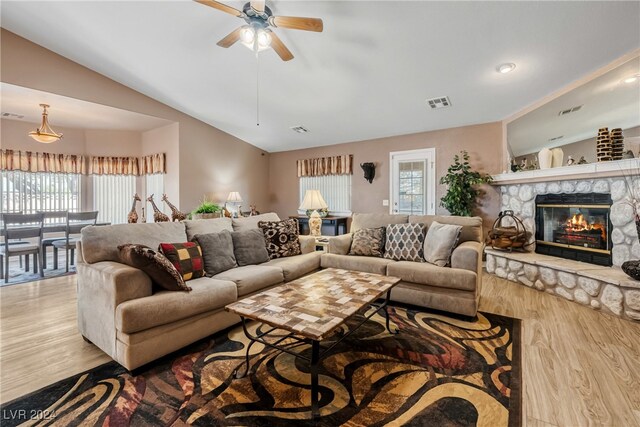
(13,115)
(570,110)
(555,138)
(439,102)
(299,129)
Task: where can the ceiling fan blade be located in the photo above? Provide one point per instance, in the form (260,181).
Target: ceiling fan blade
(297,23)
(231,38)
(282,51)
(258,5)
(223,7)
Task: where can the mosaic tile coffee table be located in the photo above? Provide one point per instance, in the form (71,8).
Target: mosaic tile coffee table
(312,309)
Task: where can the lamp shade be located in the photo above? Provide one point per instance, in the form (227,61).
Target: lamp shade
(313,200)
(234,197)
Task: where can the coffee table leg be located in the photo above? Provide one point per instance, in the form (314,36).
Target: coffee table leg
(386,313)
(315,356)
(246,362)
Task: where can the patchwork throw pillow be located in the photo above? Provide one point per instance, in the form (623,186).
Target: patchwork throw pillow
(185,257)
(405,242)
(282,237)
(249,247)
(217,252)
(368,242)
(440,242)
(154,264)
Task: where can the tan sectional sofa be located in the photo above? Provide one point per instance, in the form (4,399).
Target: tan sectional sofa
(119,312)
(455,289)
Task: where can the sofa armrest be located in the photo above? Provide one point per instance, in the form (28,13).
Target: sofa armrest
(468,256)
(339,245)
(307,244)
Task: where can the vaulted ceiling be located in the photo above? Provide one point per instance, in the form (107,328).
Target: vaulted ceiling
(366,76)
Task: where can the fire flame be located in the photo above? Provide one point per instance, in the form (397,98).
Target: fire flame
(578,223)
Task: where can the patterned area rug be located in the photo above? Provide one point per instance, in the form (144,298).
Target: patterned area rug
(438,371)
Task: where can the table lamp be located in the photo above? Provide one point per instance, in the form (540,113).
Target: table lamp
(313,201)
(235,199)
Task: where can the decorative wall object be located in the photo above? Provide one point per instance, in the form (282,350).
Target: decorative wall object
(617,143)
(557,157)
(603,145)
(369,171)
(158,215)
(545,158)
(336,165)
(176,215)
(132,218)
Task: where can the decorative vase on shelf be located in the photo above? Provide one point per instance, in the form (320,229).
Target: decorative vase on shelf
(557,157)
(545,158)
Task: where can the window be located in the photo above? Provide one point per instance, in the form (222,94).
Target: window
(30,192)
(335,189)
(112,197)
(153,184)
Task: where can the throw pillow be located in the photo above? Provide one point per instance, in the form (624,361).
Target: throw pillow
(185,257)
(440,241)
(368,242)
(282,237)
(155,264)
(405,242)
(217,252)
(249,247)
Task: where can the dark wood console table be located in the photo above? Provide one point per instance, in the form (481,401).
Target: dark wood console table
(335,224)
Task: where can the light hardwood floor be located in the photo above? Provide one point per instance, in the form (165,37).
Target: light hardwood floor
(580,367)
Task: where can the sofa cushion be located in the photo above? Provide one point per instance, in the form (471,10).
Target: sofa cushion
(471,226)
(186,258)
(217,252)
(165,307)
(297,266)
(368,242)
(251,222)
(207,226)
(429,274)
(251,278)
(371,220)
(161,271)
(249,247)
(405,242)
(439,243)
(282,237)
(356,263)
(101,243)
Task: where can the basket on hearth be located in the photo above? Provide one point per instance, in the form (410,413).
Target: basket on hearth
(508,237)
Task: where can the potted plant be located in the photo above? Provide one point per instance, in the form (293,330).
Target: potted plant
(462,194)
(206,210)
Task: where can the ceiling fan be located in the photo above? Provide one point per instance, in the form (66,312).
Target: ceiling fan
(257,34)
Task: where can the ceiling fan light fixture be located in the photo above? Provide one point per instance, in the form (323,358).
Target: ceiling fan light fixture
(44,133)
(247,35)
(264,39)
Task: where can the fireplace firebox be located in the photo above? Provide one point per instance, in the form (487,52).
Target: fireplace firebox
(574,226)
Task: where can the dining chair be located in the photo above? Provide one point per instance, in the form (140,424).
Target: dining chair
(21,226)
(54,222)
(76,221)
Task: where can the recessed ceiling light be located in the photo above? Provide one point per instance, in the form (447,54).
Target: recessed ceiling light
(631,79)
(506,68)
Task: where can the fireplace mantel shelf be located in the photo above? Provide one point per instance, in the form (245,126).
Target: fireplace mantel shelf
(588,171)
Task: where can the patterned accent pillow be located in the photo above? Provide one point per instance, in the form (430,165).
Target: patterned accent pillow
(368,242)
(405,242)
(185,257)
(155,264)
(282,237)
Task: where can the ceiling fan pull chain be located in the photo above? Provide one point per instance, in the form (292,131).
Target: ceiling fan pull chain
(257,89)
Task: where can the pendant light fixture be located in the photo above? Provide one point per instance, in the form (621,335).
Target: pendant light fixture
(44,133)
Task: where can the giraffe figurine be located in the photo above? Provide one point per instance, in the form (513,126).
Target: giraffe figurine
(158,216)
(176,215)
(132,218)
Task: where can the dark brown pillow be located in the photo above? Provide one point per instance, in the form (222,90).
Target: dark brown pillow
(282,237)
(368,242)
(186,258)
(155,264)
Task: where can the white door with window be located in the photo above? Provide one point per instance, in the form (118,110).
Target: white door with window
(413,182)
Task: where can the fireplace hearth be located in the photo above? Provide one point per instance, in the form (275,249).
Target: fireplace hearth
(574,226)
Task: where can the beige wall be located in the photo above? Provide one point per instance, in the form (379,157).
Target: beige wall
(483,142)
(211,162)
(166,140)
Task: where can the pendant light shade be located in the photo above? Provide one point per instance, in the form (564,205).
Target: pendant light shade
(44,133)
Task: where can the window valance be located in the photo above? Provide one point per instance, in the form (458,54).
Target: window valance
(146,165)
(153,163)
(335,165)
(28,161)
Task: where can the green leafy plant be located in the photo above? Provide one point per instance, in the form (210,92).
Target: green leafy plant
(207,207)
(461,181)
